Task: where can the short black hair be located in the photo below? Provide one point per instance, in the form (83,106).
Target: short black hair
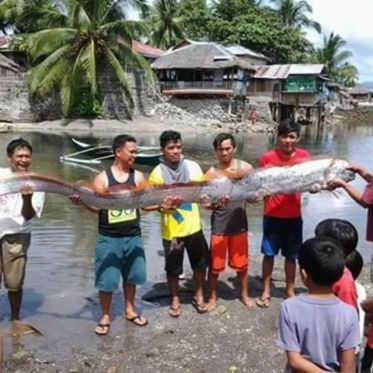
(121,140)
(169,136)
(288,125)
(341,230)
(222,137)
(354,262)
(17,144)
(322,259)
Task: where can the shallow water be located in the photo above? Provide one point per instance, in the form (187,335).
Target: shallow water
(59,296)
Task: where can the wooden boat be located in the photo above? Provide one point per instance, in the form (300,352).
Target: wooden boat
(94,155)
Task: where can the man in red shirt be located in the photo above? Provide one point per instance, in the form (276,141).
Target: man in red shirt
(282,220)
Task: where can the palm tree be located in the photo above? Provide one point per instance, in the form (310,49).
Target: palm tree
(294,14)
(332,55)
(166,23)
(72,56)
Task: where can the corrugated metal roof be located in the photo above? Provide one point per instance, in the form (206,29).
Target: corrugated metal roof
(239,50)
(146,50)
(304,69)
(283,71)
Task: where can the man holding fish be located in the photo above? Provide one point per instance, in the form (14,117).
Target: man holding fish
(119,247)
(16,212)
(229,227)
(282,220)
(181,224)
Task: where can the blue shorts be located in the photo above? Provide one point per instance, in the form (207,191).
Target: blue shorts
(116,256)
(284,234)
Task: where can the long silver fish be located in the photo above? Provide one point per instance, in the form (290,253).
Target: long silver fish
(302,177)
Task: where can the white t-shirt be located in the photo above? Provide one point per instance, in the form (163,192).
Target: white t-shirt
(11,219)
(361,297)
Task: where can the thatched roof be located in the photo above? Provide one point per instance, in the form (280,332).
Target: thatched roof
(8,64)
(200,56)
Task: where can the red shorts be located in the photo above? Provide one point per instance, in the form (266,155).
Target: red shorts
(238,252)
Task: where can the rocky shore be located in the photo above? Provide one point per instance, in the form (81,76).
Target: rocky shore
(229,339)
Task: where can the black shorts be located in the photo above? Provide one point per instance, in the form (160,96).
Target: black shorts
(196,247)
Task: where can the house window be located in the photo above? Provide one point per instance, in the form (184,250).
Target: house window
(3,72)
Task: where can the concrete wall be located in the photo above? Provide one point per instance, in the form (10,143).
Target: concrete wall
(16,105)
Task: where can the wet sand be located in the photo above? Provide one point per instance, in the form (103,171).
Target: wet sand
(229,339)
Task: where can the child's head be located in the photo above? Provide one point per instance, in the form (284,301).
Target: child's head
(322,259)
(354,262)
(341,230)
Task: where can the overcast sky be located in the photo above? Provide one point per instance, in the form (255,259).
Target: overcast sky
(353,21)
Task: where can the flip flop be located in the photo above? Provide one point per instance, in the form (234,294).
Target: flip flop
(199,307)
(174,311)
(104,328)
(263,302)
(137,320)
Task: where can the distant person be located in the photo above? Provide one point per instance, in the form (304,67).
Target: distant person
(119,247)
(229,227)
(318,331)
(181,223)
(16,213)
(282,220)
(253,116)
(346,234)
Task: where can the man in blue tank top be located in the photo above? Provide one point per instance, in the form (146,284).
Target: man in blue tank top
(119,248)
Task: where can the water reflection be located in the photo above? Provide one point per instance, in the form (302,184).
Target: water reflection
(60,270)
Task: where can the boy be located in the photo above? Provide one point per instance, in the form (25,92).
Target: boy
(324,340)
(346,234)
(282,220)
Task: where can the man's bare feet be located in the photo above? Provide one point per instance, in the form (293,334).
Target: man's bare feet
(210,305)
(199,305)
(248,302)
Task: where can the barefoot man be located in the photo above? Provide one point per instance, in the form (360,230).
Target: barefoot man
(16,212)
(229,228)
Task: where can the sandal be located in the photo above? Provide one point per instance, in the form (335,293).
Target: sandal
(137,320)
(174,311)
(104,329)
(199,307)
(263,302)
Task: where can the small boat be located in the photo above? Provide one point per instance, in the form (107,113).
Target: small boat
(101,148)
(94,155)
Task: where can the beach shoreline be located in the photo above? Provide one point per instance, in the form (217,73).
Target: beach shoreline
(229,339)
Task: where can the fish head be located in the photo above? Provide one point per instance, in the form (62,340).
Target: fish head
(339,168)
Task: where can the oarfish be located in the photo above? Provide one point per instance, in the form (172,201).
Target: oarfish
(301,177)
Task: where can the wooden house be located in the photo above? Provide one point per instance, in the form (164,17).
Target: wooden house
(202,69)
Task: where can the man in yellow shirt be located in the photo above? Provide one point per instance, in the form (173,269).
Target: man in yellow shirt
(181,223)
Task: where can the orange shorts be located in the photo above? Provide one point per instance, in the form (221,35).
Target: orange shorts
(238,252)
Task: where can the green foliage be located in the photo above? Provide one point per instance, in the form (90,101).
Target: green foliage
(166,23)
(261,30)
(91,43)
(87,106)
(195,16)
(293,14)
(335,59)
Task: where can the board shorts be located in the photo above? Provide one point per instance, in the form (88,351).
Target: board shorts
(13,259)
(236,245)
(119,256)
(282,234)
(197,250)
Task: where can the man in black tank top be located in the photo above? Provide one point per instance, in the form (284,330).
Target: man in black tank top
(119,248)
(229,228)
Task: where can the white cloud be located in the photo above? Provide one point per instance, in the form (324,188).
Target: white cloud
(353,22)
